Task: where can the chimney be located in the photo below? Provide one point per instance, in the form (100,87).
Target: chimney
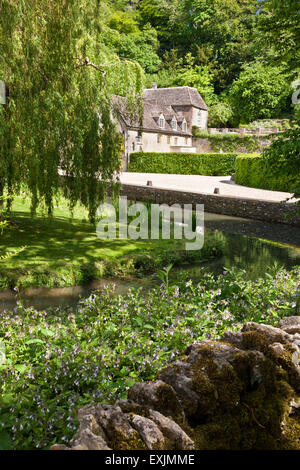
(154,85)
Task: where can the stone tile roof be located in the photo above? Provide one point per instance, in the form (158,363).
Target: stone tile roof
(180,96)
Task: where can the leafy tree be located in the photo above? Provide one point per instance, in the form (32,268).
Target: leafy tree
(58,116)
(195,76)
(219,114)
(128,41)
(279,25)
(283,155)
(260,92)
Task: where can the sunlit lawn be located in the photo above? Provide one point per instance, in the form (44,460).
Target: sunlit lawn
(64,250)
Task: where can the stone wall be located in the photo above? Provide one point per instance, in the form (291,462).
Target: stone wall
(245,131)
(241,393)
(218,204)
(205,145)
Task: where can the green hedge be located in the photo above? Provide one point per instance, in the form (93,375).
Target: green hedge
(253,171)
(211,164)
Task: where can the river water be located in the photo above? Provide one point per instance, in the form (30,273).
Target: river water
(249,244)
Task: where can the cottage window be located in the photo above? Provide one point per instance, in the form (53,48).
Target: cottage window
(139,138)
(169,139)
(176,140)
(184,126)
(199,119)
(161,121)
(174,123)
(158,138)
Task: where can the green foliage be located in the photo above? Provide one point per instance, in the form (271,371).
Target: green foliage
(85,257)
(279,26)
(58,360)
(212,164)
(197,77)
(215,32)
(60,78)
(283,156)
(125,38)
(232,142)
(257,172)
(184,72)
(260,92)
(219,114)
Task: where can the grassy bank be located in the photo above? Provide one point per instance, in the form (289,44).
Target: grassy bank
(64,251)
(60,359)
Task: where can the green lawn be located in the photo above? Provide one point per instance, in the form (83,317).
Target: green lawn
(64,250)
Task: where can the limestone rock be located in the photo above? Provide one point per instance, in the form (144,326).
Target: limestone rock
(87,440)
(149,431)
(159,396)
(290,325)
(172,431)
(120,434)
(271,333)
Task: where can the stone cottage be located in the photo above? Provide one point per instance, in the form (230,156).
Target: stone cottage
(168,117)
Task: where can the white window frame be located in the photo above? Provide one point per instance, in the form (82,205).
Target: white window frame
(174,123)
(199,119)
(184,126)
(161,121)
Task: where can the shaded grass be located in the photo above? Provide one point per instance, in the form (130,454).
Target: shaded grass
(64,250)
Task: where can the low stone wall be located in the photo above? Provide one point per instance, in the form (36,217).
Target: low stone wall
(244,131)
(228,205)
(242,393)
(204,145)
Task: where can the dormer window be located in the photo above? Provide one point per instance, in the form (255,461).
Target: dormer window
(161,121)
(184,126)
(174,124)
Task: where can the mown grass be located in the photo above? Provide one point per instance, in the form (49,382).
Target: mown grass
(64,250)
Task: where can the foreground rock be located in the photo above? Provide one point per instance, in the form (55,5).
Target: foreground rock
(241,393)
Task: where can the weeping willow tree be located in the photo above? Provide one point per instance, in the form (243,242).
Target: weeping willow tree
(58,118)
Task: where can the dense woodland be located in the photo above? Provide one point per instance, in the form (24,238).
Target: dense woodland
(241,55)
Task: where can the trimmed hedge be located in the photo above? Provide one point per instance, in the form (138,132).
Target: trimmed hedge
(210,164)
(253,171)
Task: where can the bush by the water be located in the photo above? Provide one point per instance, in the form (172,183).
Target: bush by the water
(255,172)
(210,164)
(60,359)
(278,168)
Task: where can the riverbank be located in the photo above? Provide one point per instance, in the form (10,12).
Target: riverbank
(65,251)
(58,360)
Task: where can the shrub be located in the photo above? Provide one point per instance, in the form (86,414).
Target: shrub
(277,168)
(211,164)
(220,114)
(255,172)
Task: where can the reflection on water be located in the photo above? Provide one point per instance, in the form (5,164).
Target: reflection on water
(249,244)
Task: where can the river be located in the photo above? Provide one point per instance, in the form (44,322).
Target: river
(249,244)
